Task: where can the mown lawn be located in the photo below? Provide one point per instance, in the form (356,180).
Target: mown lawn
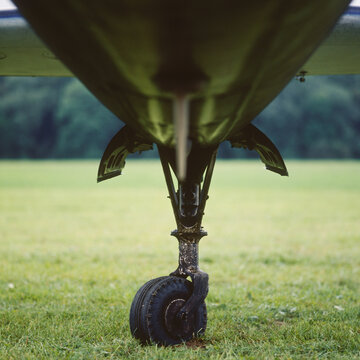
(283,256)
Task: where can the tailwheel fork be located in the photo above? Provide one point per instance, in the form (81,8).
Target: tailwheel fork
(171,309)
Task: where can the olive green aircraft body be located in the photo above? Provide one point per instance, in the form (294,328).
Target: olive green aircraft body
(229,57)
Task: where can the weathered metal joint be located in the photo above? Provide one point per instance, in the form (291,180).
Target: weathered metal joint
(190,235)
(189,201)
(200,282)
(189,266)
(188,251)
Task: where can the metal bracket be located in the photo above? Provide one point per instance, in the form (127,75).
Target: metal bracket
(125,142)
(253,139)
(188,202)
(188,252)
(200,282)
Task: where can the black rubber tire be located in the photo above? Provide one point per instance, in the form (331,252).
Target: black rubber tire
(134,319)
(149,317)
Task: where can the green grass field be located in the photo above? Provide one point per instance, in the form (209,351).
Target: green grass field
(283,255)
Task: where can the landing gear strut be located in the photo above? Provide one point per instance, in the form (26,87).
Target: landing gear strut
(170,309)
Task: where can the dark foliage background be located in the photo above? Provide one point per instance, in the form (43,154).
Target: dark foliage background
(58,118)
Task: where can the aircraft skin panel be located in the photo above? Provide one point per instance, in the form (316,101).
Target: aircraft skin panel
(22,53)
(339,54)
(232,57)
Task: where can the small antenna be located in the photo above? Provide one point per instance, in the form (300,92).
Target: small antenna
(301,76)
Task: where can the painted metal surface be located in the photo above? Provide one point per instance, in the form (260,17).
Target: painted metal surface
(231,57)
(253,139)
(340,52)
(24,54)
(125,142)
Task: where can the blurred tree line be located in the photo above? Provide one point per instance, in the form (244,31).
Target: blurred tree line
(59,118)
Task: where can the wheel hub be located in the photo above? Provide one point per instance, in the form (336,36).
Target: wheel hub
(178,327)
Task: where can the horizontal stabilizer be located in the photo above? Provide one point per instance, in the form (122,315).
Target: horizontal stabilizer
(253,139)
(125,142)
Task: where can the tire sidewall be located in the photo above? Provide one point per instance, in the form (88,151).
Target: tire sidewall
(155,304)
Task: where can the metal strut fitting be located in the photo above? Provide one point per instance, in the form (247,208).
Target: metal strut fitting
(189,266)
(188,203)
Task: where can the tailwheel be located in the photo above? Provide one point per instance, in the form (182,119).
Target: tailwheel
(154,313)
